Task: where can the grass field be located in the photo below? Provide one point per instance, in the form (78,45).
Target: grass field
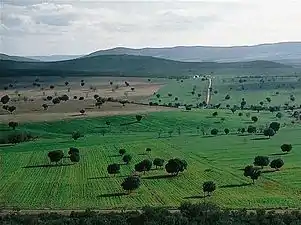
(27,183)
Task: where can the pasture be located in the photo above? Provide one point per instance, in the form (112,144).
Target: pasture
(30,181)
(27,181)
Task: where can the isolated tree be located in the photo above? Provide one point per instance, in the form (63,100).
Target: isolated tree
(98,104)
(122,151)
(144,166)
(233,110)
(240,114)
(268,99)
(64,98)
(158,162)
(56,100)
(5,99)
(82,111)
(261,103)
(243,130)
(214,114)
(252,172)
(199,95)
(51,87)
(13,124)
(81,98)
(292,98)
(73,150)
(132,89)
(174,166)
(227,97)
(254,119)
(269,132)
(251,129)
(76,135)
(148,150)
(214,131)
(158,95)
(275,126)
(74,157)
(45,106)
(82,84)
(113,168)
(108,123)
(286,148)
(261,161)
(227,131)
(74,97)
(277,164)
(169,94)
(208,187)
(49,98)
(279,115)
(127,158)
(138,118)
(55,156)
(176,98)
(243,104)
(131,183)
(66,83)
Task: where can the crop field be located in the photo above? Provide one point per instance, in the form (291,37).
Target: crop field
(27,180)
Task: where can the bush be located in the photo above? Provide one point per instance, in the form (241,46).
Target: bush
(214,131)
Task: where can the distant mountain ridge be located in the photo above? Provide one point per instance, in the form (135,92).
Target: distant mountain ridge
(270,52)
(16,58)
(53,58)
(130,65)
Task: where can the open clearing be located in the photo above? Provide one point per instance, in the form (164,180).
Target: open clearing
(32,110)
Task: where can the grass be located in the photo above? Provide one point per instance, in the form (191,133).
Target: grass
(27,181)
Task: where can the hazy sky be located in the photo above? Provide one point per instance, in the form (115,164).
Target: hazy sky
(45,27)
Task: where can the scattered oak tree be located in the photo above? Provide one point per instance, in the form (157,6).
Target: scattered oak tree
(286,148)
(158,162)
(208,187)
(277,164)
(131,183)
(113,168)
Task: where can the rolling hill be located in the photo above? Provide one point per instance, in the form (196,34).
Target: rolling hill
(129,65)
(16,58)
(53,58)
(271,52)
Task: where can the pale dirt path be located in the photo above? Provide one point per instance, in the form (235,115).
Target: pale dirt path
(208,91)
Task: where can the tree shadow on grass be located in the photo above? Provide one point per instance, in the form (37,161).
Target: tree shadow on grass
(260,139)
(208,136)
(195,197)
(115,155)
(279,153)
(106,177)
(111,195)
(6,145)
(268,171)
(235,185)
(158,177)
(48,165)
(142,154)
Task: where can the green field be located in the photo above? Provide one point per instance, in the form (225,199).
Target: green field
(25,183)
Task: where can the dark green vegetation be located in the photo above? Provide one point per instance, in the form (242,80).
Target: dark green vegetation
(30,180)
(187,214)
(128,65)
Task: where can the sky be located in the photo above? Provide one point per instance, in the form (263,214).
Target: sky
(49,27)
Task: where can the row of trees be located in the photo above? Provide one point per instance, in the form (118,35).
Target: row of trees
(57,155)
